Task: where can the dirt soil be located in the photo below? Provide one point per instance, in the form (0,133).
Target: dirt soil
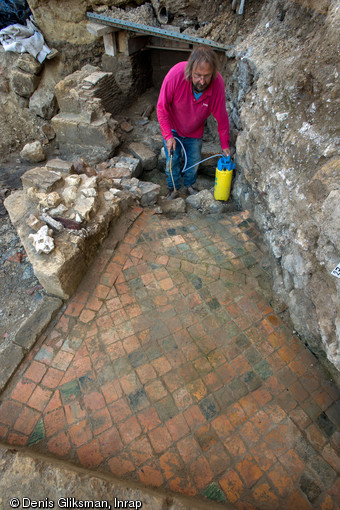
(20,292)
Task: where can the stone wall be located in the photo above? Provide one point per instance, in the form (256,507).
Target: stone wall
(284,104)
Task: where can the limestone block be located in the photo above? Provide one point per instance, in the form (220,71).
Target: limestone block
(147,157)
(29,64)
(41,179)
(133,165)
(59,165)
(43,241)
(150,193)
(43,103)
(24,84)
(33,152)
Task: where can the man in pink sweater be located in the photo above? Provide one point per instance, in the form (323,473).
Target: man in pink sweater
(190,92)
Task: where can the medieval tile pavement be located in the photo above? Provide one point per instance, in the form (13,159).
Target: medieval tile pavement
(169,367)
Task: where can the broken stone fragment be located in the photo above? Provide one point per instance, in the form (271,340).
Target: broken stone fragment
(147,157)
(88,182)
(73,180)
(51,200)
(34,222)
(150,193)
(89,192)
(126,126)
(69,194)
(43,241)
(58,211)
(60,166)
(33,152)
(56,225)
(41,178)
(85,207)
(133,165)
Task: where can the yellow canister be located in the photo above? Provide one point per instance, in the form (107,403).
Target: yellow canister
(223,176)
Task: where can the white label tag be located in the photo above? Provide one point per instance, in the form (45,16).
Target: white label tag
(336,271)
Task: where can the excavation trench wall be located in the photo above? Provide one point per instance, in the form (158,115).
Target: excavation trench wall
(282,88)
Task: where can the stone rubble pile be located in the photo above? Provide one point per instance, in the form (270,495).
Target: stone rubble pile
(62,217)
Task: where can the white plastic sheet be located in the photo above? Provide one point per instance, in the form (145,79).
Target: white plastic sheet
(25,39)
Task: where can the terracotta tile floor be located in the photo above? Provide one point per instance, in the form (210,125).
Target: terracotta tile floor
(169,367)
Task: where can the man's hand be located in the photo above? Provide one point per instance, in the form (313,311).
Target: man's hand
(171,144)
(226,152)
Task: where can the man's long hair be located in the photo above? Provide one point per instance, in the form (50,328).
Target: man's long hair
(200,55)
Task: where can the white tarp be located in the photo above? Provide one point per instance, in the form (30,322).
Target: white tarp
(25,39)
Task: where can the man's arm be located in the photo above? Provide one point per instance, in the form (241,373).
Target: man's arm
(163,105)
(221,115)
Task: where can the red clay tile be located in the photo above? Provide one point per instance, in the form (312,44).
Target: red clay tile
(39,398)
(130,429)
(52,378)
(265,497)
(299,417)
(235,446)
(54,403)
(194,417)
(54,422)
(109,442)
(223,427)
(35,371)
(151,475)
(26,421)
(249,470)
(161,365)
(89,454)
(275,440)
(177,427)
(74,309)
(119,410)
(112,391)
(249,405)
(281,480)
(201,473)
(160,439)
(263,455)
(94,401)
(141,450)
(23,391)
(183,485)
(16,439)
(59,445)
(155,390)
(188,449)
(62,360)
(100,421)
(171,464)
(80,433)
(74,412)
(206,437)
(292,464)
(182,398)
(232,486)
(121,464)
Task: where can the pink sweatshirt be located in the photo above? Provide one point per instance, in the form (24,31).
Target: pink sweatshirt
(178,109)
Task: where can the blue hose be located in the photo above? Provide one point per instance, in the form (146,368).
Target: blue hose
(186,159)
